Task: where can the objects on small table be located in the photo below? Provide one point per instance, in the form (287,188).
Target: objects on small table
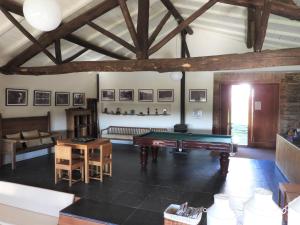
(182,215)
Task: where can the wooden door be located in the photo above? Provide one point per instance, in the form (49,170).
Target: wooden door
(263,115)
(225,109)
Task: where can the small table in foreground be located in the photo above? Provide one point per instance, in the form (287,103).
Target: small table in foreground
(85,147)
(154,140)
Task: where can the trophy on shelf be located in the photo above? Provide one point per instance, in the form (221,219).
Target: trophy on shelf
(156,112)
(118,111)
(132,112)
(148,111)
(105,110)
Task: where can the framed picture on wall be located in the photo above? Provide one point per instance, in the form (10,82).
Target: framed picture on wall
(165,95)
(108,95)
(42,98)
(78,99)
(126,95)
(146,95)
(62,98)
(16,97)
(198,95)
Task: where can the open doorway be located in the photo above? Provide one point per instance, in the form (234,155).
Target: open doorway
(240,95)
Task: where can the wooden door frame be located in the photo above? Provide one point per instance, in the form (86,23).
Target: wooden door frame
(240,78)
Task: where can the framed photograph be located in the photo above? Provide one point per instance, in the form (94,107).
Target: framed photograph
(108,95)
(126,95)
(42,98)
(16,97)
(62,98)
(165,95)
(198,95)
(78,99)
(146,95)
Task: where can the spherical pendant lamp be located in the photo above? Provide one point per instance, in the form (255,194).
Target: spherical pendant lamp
(176,76)
(44,15)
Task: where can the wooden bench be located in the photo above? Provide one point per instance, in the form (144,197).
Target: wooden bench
(127,133)
(13,145)
(27,205)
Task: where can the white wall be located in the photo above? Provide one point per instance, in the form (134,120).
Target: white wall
(201,43)
(84,82)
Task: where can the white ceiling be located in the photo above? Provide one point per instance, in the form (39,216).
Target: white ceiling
(221,19)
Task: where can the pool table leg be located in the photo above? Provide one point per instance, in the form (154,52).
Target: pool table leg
(144,156)
(224,163)
(154,153)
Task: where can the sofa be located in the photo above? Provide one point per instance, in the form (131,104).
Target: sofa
(27,205)
(25,134)
(127,133)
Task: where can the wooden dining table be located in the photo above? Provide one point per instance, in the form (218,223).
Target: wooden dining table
(85,147)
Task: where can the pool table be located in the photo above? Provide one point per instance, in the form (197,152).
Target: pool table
(154,140)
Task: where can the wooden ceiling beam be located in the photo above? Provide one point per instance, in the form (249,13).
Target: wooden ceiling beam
(169,5)
(76,55)
(269,58)
(250,27)
(143,29)
(12,19)
(129,23)
(159,28)
(48,38)
(262,29)
(57,46)
(182,26)
(12,6)
(76,40)
(278,8)
(112,36)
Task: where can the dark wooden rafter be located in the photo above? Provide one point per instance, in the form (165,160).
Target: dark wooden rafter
(58,55)
(262,29)
(76,40)
(76,55)
(182,26)
(269,58)
(250,28)
(12,6)
(169,5)
(159,28)
(27,34)
(112,36)
(129,23)
(277,8)
(143,29)
(48,38)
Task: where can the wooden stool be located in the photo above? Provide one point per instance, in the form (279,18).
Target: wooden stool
(289,191)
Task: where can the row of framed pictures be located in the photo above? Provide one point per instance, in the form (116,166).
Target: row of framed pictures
(147,95)
(19,97)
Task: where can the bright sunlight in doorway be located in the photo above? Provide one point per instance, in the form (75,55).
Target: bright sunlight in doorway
(240,95)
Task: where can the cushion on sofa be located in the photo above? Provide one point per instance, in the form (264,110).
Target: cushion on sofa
(46,140)
(15,136)
(117,136)
(29,135)
(34,199)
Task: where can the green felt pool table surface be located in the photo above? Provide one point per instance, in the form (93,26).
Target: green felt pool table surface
(210,138)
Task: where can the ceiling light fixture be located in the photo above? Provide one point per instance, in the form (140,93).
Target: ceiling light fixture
(44,15)
(176,76)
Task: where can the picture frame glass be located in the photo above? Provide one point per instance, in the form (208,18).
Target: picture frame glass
(146,95)
(126,95)
(78,99)
(108,95)
(42,98)
(198,95)
(16,97)
(165,95)
(62,98)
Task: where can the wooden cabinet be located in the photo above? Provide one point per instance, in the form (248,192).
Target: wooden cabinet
(79,122)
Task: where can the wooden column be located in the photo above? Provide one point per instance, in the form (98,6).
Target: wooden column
(143,29)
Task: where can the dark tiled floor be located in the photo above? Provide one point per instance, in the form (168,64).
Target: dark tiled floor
(176,178)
